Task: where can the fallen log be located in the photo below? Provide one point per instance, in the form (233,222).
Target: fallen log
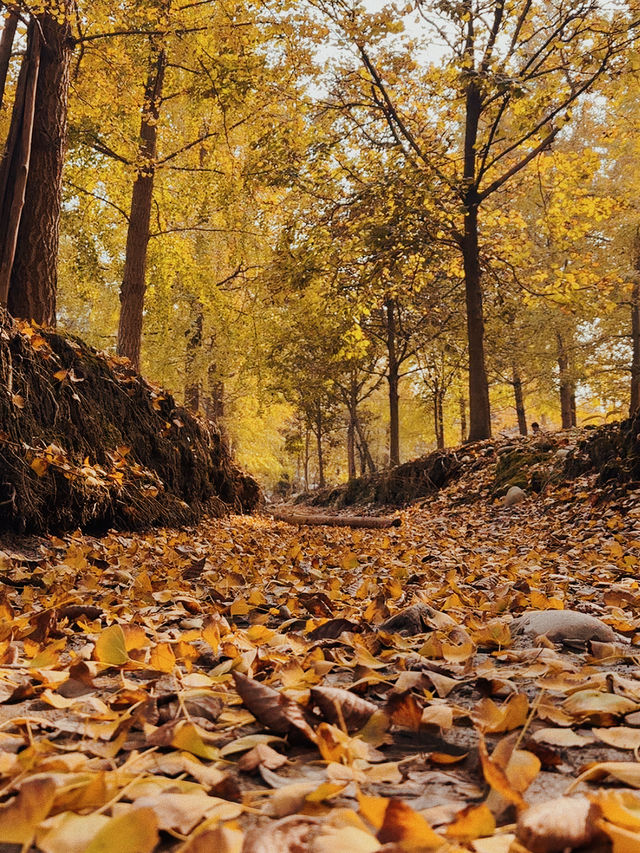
(374,522)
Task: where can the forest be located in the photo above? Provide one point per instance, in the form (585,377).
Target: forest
(320,426)
(349,234)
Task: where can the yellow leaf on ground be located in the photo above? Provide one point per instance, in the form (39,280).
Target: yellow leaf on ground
(136,831)
(68,832)
(472,822)
(20,817)
(111,647)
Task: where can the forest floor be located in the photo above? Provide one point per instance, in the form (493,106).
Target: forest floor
(243,685)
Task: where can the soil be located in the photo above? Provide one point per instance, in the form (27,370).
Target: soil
(86,442)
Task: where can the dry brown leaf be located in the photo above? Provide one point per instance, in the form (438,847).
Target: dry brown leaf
(343,708)
(20,816)
(261,756)
(274,710)
(289,835)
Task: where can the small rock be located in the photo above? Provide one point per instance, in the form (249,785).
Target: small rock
(561,824)
(563,626)
(514,496)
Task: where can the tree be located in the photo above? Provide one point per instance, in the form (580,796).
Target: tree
(499,98)
(31,173)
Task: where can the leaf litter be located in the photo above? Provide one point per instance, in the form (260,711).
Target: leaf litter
(468,681)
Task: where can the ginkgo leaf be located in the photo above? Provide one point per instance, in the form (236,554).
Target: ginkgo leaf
(620,737)
(20,816)
(472,822)
(261,756)
(620,807)
(405,826)
(135,831)
(274,710)
(625,771)
(342,707)
(247,742)
(496,777)
(493,719)
(111,646)
(68,832)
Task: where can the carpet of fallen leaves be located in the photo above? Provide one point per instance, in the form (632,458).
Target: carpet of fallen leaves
(254,686)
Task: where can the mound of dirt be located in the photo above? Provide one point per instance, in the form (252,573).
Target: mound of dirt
(612,450)
(87,442)
(395,487)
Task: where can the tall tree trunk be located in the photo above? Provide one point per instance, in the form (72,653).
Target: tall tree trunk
(463,418)
(364,449)
(519,400)
(34,274)
(479,407)
(213,400)
(393,379)
(351,448)
(6,46)
(634,402)
(194,342)
(133,284)
(567,390)
(440,419)
(14,170)
(306,459)
(320,450)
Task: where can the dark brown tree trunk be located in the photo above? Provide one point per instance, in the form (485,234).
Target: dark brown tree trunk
(320,450)
(135,266)
(6,46)
(463,419)
(365,452)
(440,419)
(351,448)
(634,402)
(34,274)
(519,400)
(306,459)
(213,400)
(194,342)
(14,170)
(479,408)
(393,379)
(567,390)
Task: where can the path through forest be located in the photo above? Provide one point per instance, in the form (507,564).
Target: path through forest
(189,684)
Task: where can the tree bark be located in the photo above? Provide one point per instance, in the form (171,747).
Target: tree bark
(634,402)
(306,459)
(366,521)
(14,170)
(364,449)
(194,342)
(519,400)
(351,447)
(6,46)
(34,274)
(567,389)
(479,407)
(463,419)
(133,285)
(393,379)
(318,431)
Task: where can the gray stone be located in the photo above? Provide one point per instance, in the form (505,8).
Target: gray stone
(514,496)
